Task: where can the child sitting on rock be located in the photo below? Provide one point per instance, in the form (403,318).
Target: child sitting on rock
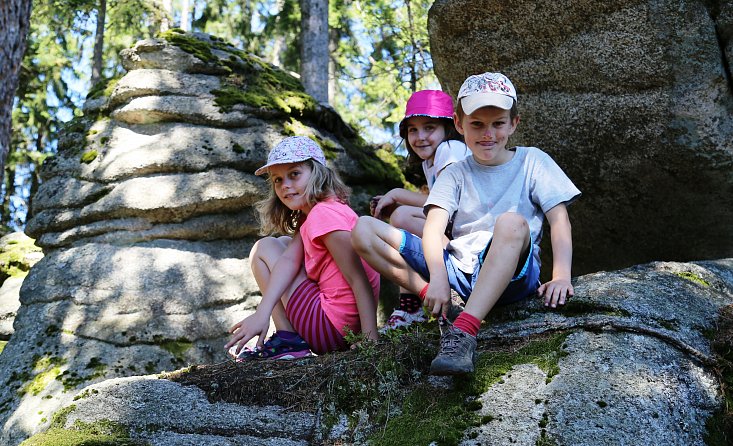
(497,200)
(430,137)
(314,285)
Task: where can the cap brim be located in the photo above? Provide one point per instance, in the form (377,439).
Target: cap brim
(475,101)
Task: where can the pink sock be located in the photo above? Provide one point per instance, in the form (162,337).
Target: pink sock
(467,324)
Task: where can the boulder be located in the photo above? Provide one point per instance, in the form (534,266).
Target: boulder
(633,99)
(632,359)
(18,253)
(146,218)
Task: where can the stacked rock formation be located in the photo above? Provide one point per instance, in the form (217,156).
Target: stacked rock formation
(145,216)
(634,99)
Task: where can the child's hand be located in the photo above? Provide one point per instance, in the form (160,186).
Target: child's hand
(437,299)
(249,327)
(556,292)
(384,206)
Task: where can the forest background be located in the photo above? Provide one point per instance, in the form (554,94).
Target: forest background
(378,54)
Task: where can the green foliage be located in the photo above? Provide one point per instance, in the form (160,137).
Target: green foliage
(2,345)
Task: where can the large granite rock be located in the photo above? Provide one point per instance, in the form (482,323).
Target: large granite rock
(628,361)
(145,216)
(18,253)
(634,99)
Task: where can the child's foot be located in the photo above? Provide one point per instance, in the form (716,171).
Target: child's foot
(457,355)
(400,318)
(290,346)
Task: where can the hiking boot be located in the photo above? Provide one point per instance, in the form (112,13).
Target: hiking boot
(401,318)
(457,355)
(277,348)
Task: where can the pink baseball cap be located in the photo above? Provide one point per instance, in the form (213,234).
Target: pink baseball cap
(487,90)
(293,149)
(431,103)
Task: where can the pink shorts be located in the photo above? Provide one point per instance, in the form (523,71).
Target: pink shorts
(310,321)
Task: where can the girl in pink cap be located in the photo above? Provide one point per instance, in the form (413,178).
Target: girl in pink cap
(314,286)
(431,137)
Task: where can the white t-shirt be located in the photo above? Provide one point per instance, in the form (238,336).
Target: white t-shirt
(448,152)
(474,195)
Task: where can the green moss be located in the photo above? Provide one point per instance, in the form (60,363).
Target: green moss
(2,345)
(580,308)
(252,82)
(237,148)
(177,348)
(190,44)
(46,369)
(104,87)
(693,278)
(99,433)
(12,258)
(88,156)
(443,415)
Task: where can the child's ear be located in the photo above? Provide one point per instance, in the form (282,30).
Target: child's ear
(457,122)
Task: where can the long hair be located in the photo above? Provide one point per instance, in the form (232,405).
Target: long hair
(450,134)
(324,183)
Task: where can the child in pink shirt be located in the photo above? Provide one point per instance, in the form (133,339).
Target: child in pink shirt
(314,286)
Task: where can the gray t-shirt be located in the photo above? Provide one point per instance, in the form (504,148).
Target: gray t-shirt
(474,195)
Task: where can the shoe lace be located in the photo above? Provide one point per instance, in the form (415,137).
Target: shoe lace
(450,338)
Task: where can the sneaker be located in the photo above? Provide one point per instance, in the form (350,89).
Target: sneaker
(400,318)
(277,348)
(457,355)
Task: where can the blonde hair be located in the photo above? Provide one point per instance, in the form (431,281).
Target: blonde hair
(324,183)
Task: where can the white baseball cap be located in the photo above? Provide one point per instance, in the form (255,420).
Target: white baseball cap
(487,90)
(293,149)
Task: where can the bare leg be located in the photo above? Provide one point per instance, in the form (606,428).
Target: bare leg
(378,243)
(262,259)
(409,218)
(511,239)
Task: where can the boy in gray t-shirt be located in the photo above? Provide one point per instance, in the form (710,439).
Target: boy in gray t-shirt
(497,200)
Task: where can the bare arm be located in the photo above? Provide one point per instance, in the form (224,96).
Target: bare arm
(557,290)
(438,294)
(285,270)
(399,196)
(338,244)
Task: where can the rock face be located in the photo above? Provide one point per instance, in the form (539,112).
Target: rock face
(146,219)
(634,99)
(633,365)
(18,253)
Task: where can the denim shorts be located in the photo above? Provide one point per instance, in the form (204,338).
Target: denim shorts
(523,285)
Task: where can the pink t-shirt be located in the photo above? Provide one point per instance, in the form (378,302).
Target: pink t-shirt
(337,298)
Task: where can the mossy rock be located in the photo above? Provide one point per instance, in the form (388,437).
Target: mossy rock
(14,261)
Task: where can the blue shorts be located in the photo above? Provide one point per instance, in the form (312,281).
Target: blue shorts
(521,286)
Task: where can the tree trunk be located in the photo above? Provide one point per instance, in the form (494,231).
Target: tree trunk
(14,24)
(185,15)
(314,48)
(333,42)
(165,21)
(99,42)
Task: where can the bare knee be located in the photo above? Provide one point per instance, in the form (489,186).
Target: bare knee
(400,217)
(268,244)
(511,226)
(362,233)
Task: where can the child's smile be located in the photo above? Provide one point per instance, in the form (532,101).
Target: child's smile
(290,182)
(487,132)
(424,135)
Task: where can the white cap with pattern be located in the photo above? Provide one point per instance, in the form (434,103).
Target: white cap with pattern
(293,149)
(487,90)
